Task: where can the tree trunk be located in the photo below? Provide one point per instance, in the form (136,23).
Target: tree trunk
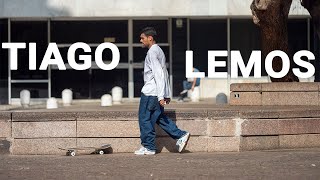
(272,16)
(313,6)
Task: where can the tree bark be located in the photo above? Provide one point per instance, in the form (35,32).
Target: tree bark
(313,6)
(272,16)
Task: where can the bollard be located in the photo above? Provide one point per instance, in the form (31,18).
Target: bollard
(52,103)
(116,95)
(67,97)
(25,98)
(195,94)
(106,100)
(221,99)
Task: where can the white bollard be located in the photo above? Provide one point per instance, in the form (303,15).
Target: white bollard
(25,98)
(106,100)
(195,94)
(117,95)
(67,97)
(52,103)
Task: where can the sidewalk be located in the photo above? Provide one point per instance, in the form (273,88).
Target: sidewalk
(279,164)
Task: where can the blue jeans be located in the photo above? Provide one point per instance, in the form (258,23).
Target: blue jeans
(150,113)
(188,85)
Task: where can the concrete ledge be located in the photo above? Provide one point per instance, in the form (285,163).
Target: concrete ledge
(5,116)
(291,86)
(226,114)
(222,127)
(300,141)
(5,124)
(107,115)
(279,127)
(259,143)
(5,129)
(290,98)
(245,98)
(267,113)
(246,87)
(220,144)
(286,93)
(43,129)
(43,116)
(41,146)
(108,129)
(4,146)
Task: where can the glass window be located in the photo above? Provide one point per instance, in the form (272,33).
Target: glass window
(4,62)
(207,35)
(140,53)
(138,82)
(246,37)
(89,31)
(29,31)
(179,47)
(161,27)
(77,81)
(37,90)
(298,38)
(103,82)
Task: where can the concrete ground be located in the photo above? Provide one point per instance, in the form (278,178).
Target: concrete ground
(277,164)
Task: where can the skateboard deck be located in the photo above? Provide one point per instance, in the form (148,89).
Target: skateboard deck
(97,150)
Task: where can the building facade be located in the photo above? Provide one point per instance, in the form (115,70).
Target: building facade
(197,25)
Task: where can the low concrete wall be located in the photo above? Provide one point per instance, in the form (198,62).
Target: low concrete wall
(306,93)
(212,130)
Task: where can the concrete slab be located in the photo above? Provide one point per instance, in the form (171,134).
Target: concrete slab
(249,143)
(5,129)
(108,129)
(223,144)
(186,114)
(44,129)
(299,126)
(222,113)
(290,87)
(108,115)
(5,116)
(260,127)
(245,98)
(289,98)
(34,116)
(41,146)
(299,141)
(245,87)
(221,128)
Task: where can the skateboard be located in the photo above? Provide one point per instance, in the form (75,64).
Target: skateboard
(97,150)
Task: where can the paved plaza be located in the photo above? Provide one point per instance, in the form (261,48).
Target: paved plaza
(277,164)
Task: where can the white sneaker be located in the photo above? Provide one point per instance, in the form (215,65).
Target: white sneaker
(182,142)
(144,151)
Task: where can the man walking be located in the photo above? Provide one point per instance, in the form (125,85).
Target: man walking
(154,95)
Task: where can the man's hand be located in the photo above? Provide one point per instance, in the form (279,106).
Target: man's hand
(162,102)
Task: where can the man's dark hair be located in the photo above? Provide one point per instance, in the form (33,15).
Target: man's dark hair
(149,31)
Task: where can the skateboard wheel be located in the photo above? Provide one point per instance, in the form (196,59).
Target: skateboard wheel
(68,153)
(101,152)
(72,153)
